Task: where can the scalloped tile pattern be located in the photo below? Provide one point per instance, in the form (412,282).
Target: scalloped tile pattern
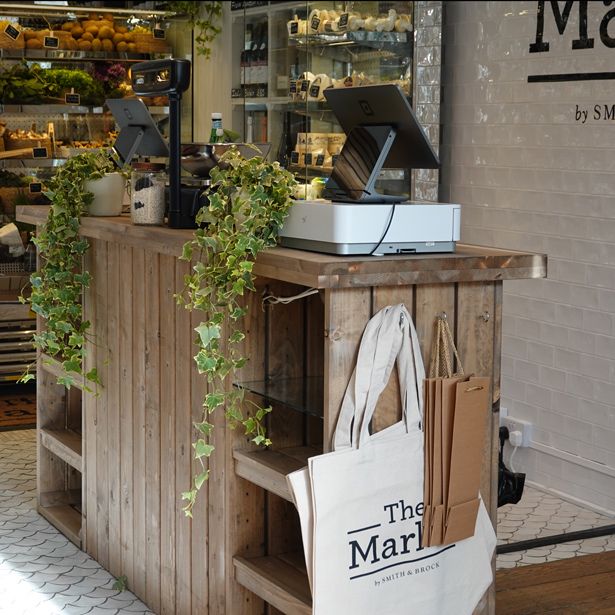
(541,514)
(41,571)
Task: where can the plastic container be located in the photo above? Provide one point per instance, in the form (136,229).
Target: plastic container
(148,188)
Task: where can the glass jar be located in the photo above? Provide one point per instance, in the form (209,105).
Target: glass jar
(148,187)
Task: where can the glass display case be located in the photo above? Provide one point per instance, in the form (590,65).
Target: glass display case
(286,54)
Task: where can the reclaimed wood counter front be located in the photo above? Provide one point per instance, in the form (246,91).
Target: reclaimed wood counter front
(239,555)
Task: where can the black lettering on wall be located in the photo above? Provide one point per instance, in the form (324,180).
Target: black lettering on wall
(607,40)
(561,21)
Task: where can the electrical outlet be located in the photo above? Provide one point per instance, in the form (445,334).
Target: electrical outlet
(515,424)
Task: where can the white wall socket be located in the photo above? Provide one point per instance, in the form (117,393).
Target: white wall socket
(514,424)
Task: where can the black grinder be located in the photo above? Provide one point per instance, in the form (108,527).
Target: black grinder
(169,77)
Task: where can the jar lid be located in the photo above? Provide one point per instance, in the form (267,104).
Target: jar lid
(148,166)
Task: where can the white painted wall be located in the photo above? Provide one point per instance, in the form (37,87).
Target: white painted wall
(530,176)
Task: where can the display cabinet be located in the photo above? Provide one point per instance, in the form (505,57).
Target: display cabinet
(286,54)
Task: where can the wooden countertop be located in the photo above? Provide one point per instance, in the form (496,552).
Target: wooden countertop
(469,263)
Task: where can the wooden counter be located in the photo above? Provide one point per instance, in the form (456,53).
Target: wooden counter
(241,547)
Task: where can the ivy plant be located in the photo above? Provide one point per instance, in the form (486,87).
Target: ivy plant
(58,286)
(203,17)
(248,203)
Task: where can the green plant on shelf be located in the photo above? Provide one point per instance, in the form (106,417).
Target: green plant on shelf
(248,203)
(204,17)
(57,288)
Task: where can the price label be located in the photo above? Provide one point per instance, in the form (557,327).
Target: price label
(315,23)
(334,159)
(71,98)
(305,84)
(12,32)
(292,87)
(160,33)
(315,91)
(51,42)
(39,152)
(35,187)
(308,158)
(320,160)
(342,23)
(294,157)
(294,27)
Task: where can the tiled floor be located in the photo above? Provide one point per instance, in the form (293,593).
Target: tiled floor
(41,572)
(541,514)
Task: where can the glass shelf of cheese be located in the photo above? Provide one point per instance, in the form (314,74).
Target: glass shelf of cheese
(285,56)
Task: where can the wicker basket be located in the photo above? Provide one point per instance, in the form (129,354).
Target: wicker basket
(6,42)
(146,43)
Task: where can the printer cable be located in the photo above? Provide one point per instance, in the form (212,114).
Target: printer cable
(386,230)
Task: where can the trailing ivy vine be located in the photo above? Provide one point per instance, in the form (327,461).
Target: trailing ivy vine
(203,18)
(248,203)
(58,286)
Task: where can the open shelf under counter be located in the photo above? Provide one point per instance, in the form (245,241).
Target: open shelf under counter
(301,394)
(280,580)
(65,444)
(66,519)
(268,468)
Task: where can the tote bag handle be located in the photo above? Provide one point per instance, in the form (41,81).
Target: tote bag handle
(401,340)
(388,336)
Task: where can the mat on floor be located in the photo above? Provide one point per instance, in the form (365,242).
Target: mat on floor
(17,407)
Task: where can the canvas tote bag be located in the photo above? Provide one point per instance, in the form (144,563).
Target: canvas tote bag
(361,505)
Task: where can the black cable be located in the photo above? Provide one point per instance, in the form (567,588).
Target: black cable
(386,230)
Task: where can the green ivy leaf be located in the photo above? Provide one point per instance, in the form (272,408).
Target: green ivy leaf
(207,333)
(202,449)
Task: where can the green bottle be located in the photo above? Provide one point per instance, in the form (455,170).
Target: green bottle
(217,133)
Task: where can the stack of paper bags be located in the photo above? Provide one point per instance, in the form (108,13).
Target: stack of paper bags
(455,422)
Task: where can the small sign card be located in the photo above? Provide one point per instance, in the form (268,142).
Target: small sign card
(51,42)
(35,187)
(39,152)
(12,32)
(160,33)
(342,23)
(72,98)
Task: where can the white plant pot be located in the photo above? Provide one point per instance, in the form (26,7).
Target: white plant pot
(108,194)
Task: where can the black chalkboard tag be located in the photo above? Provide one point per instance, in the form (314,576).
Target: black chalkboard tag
(160,33)
(35,187)
(292,88)
(315,91)
(315,23)
(320,160)
(342,23)
(294,27)
(12,32)
(305,84)
(39,152)
(71,98)
(308,158)
(51,42)
(294,157)
(334,159)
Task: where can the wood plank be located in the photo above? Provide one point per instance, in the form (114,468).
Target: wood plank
(64,444)
(268,468)
(169,503)
(68,497)
(54,367)
(578,585)
(184,351)
(137,583)
(126,410)
(276,582)
(101,296)
(152,430)
(65,519)
(112,392)
(90,417)
(346,314)
(431,300)
(315,358)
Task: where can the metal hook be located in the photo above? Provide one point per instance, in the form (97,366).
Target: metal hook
(485,316)
(442,316)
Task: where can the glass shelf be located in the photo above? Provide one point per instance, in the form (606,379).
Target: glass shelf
(68,55)
(302,394)
(359,37)
(50,109)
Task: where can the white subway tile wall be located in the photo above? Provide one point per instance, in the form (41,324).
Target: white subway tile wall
(533,166)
